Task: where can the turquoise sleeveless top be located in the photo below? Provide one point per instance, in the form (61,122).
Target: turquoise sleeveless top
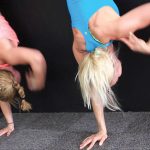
(81,11)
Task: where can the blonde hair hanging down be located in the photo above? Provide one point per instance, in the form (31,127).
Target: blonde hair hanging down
(11,89)
(95,74)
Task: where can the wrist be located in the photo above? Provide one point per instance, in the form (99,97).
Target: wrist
(102,130)
(10,123)
(10,126)
(102,126)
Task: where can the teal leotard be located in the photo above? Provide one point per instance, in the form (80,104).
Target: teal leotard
(81,11)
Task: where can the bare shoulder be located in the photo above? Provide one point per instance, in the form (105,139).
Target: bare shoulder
(99,21)
(5,46)
(105,13)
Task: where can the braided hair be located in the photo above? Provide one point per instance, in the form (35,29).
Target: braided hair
(10,90)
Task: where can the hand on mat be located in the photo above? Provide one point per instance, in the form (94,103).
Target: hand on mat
(91,140)
(136,44)
(7,130)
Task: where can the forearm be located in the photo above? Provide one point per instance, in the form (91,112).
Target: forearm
(39,68)
(20,56)
(79,54)
(6,109)
(34,59)
(99,115)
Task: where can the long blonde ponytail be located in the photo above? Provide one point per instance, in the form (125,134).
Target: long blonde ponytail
(95,74)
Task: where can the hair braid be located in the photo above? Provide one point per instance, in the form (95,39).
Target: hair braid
(25,106)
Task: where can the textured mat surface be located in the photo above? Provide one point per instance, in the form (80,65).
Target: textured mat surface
(65,131)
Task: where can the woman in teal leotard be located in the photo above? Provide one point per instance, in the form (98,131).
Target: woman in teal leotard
(95,24)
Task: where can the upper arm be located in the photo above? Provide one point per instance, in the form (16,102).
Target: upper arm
(16,55)
(79,49)
(12,55)
(78,54)
(5,46)
(132,21)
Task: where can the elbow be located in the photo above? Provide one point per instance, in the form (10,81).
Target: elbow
(38,64)
(39,59)
(121,30)
(115,29)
